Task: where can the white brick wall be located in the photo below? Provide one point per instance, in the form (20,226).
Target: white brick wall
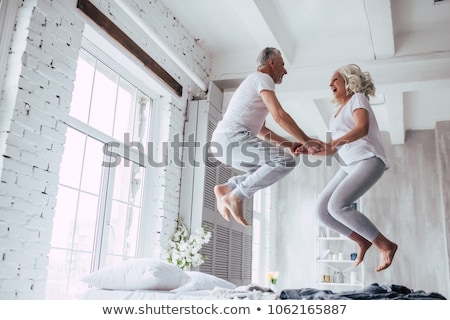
(31,163)
(165,187)
(39,84)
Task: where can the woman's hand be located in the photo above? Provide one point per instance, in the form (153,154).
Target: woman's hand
(327,149)
(312,146)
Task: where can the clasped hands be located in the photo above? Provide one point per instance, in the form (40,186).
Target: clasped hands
(315,147)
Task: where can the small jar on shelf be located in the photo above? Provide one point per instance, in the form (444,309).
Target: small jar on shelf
(335,260)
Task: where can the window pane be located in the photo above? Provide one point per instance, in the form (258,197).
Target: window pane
(80,266)
(123,231)
(58,273)
(92,167)
(122,181)
(66,209)
(125,111)
(137,185)
(81,98)
(66,268)
(103,99)
(110,259)
(128,183)
(86,222)
(72,158)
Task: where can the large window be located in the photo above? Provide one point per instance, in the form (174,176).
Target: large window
(100,204)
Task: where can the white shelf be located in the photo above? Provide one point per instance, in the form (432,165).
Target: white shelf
(335,261)
(330,245)
(333,238)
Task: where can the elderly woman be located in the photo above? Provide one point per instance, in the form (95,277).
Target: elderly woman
(356,139)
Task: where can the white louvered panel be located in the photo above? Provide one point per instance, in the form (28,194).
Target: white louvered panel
(210,160)
(221,252)
(211,127)
(208,250)
(209,199)
(248,210)
(236,255)
(225,173)
(211,165)
(247,254)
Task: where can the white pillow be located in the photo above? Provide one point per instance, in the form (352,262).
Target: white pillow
(203,281)
(138,274)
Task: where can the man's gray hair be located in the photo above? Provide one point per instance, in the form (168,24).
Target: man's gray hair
(267,54)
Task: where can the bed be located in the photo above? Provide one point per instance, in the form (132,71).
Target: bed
(152,279)
(372,292)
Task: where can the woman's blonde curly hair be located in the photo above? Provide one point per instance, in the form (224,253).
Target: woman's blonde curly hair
(357,80)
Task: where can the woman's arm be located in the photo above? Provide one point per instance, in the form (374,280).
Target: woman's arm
(361,117)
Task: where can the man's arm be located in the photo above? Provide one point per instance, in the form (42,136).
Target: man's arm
(282,118)
(268,135)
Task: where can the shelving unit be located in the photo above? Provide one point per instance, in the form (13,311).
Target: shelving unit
(334,263)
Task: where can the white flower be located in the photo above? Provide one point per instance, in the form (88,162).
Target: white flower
(273,276)
(184,249)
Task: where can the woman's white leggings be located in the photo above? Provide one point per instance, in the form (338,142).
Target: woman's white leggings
(334,204)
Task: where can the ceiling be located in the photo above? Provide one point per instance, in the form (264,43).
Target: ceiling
(404,44)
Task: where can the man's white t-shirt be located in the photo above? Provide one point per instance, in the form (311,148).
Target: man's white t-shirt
(364,148)
(246,110)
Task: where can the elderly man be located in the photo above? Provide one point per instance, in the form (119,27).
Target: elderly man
(248,145)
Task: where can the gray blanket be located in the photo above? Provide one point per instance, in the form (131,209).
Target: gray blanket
(372,292)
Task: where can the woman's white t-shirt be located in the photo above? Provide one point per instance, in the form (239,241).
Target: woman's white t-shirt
(246,110)
(364,148)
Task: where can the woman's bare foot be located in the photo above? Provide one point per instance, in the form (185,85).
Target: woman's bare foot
(235,206)
(387,250)
(362,252)
(363,245)
(386,256)
(220,191)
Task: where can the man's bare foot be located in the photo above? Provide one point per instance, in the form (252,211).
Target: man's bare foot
(386,256)
(363,245)
(235,206)
(220,191)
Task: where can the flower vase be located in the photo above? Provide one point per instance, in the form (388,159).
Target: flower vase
(273,286)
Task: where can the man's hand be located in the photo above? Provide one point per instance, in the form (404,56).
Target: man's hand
(300,149)
(292,146)
(314,146)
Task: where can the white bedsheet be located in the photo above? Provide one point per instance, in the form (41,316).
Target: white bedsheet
(244,292)
(101,294)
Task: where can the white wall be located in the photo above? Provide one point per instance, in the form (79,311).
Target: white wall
(405,204)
